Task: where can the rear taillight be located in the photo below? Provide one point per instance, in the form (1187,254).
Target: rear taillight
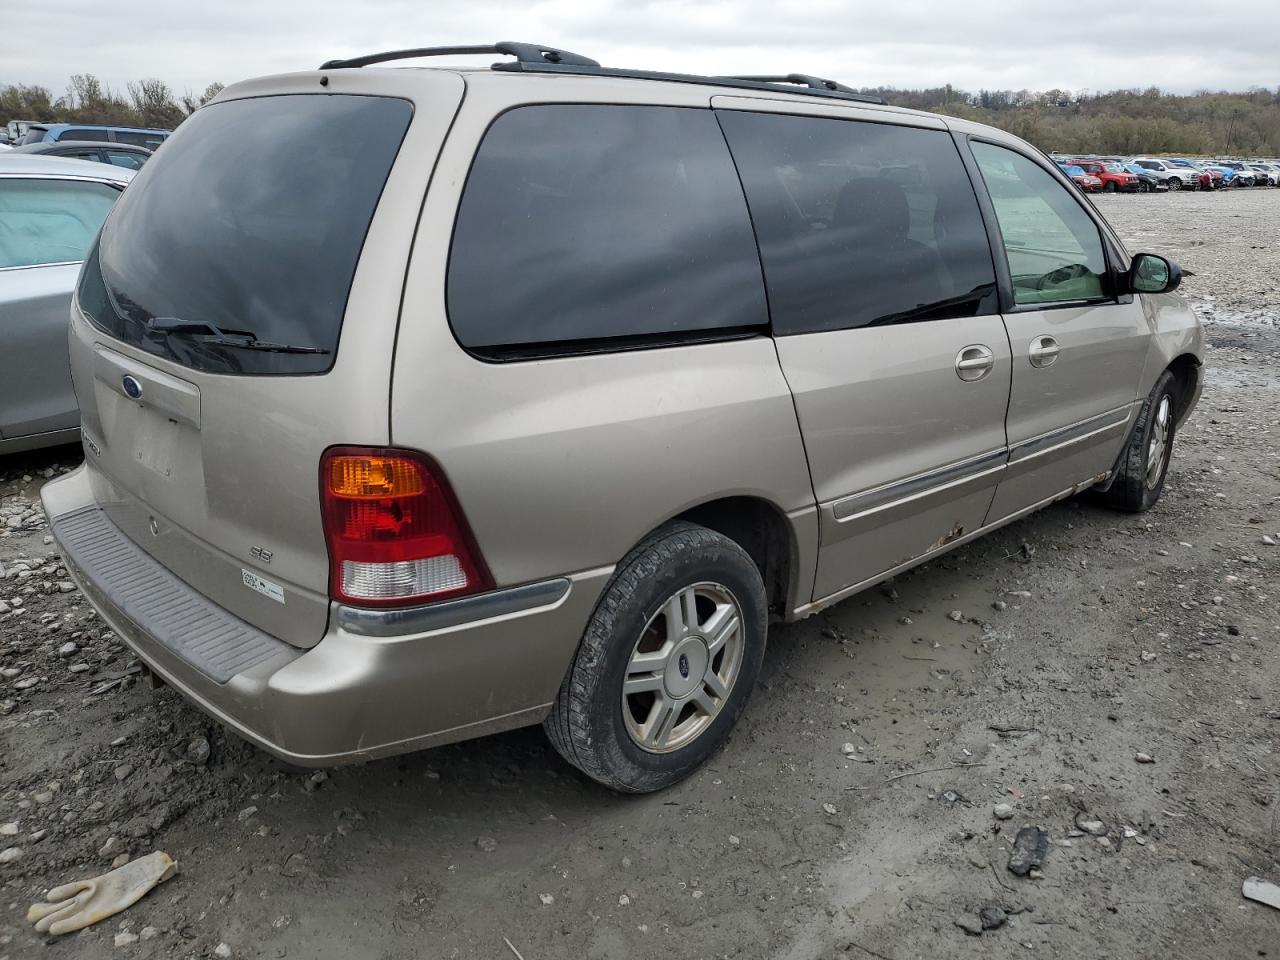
(394,529)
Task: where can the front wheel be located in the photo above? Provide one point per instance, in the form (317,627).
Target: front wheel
(1110,186)
(667,662)
(1175,183)
(1145,461)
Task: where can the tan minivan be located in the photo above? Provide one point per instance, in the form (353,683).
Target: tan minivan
(420,404)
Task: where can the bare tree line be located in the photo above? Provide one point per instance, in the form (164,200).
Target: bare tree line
(1118,121)
(145,103)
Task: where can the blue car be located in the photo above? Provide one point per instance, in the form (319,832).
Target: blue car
(138,136)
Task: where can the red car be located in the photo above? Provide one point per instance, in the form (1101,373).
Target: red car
(1113,176)
(1205,178)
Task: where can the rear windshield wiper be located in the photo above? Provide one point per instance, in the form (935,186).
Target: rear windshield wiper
(209,333)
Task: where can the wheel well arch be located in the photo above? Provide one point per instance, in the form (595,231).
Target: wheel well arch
(761,529)
(1186,373)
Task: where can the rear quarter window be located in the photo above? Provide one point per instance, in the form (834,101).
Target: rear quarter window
(80,133)
(589,226)
(130,161)
(148,140)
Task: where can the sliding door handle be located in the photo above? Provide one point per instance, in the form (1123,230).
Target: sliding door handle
(1044,350)
(974,362)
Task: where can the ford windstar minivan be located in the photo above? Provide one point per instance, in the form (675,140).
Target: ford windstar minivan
(538,395)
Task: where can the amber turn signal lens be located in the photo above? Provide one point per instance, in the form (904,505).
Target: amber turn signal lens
(371,478)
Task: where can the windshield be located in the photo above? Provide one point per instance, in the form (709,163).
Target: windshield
(1113,168)
(257,235)
(1075,171)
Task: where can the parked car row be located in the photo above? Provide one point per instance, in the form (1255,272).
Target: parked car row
(119,154)
(1152,174)
(49,132)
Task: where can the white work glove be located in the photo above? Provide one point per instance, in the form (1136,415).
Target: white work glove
(73,906)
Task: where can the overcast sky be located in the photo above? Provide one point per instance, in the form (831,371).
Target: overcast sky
(1179,45)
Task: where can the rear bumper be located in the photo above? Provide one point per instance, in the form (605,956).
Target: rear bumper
(379,683)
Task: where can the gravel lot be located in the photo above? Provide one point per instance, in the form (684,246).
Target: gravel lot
(1083,638)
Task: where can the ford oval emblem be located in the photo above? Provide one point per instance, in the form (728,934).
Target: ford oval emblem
(132,388)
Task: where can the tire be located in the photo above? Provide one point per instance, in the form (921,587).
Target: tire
(1175,183)
(642,621)
(1109,186)
(1144,465)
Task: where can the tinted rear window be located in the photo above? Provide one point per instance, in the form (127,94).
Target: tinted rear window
(586,226)
(861,223)
(250,234)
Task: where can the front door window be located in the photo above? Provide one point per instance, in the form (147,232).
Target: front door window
(1054,249)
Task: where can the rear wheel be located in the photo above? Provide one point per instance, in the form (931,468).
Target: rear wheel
(667,662)
(1145,462)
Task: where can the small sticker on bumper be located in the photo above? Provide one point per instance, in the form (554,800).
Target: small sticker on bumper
(264,587)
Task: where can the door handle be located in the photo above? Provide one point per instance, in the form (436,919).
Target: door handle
(1044,350)
(974,362)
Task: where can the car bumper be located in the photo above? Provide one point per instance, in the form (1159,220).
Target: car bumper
(379,683)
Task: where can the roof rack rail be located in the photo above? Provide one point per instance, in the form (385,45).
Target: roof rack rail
(805,80)
(538,58)
(525,53)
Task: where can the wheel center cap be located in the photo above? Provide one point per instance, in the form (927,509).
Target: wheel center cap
(686,667)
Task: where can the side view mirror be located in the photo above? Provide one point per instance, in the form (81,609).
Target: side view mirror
(1152,273)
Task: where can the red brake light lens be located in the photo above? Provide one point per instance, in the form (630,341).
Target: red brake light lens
(394,529)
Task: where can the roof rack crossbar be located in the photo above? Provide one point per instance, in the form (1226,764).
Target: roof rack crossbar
(530,53)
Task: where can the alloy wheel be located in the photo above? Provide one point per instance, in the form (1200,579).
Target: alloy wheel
(1159,442)
(683,667)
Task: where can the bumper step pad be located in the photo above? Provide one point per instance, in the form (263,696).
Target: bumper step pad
(170,612)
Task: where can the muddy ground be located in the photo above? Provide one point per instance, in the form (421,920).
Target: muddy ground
(1084,638)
